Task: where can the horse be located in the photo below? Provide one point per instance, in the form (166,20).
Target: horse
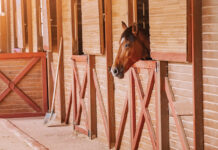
(134,45)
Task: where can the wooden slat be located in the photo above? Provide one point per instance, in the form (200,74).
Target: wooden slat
(110,79)
(20,24)
(142,64)
(162,110)
(197,74)
(122,125)
(178,121)
(174,17)
(80,58)
(92,99)
(101,103)
(92,27)
(132,105)
(29,24)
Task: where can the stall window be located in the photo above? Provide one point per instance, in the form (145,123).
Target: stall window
(88,26)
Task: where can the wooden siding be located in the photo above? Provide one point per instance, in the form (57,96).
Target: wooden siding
(92,25)
(168,27)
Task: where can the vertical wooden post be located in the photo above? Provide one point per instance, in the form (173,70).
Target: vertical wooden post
(197,74)
(162,110)
(110,79)
(132,106)
(135,16)
(8,26)
(29,24)
(92,99)
(61,69)
(130,12)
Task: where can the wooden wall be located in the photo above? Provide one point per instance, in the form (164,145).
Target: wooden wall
(180,75)
(210,72)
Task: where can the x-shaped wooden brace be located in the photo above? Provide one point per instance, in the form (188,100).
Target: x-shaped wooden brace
(82,90)
(12,85)
(144,115)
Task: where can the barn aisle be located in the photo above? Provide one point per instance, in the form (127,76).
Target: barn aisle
(53,138)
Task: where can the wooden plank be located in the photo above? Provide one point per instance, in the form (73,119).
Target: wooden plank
(44,81)
(21,55)
(39,29)
(174,17)
(142,64)
(132,106)
(101,104)
(3,34)
(61,69)
(110,78)
(177,119)
(92,26)
(162,110)
(92,99)
(22,115)
(29,25)
(122,125)
(21,39)
(166,56)
(80,58)
(197,74)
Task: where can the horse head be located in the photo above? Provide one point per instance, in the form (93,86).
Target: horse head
(134,45)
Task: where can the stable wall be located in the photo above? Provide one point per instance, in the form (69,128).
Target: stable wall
(180,75)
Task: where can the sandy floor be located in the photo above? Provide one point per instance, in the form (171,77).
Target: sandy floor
(54,138)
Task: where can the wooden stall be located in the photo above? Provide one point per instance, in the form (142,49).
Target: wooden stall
(23,85)
(167,103)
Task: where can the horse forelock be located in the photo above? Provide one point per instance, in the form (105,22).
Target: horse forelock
(128,35)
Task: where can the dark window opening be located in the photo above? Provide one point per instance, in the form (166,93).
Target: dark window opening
(143,15)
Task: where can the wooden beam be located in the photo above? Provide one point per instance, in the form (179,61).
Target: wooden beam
(197,74)
(110,79)
(162,111)
(29,25)
(92,99)
(177,119)
(132,105)
(21,39)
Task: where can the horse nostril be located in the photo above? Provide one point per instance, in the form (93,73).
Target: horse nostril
(115,71)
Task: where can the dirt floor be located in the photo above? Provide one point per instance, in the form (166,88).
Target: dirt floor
(54,138)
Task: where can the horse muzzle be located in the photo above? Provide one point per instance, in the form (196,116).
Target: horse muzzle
(117,72)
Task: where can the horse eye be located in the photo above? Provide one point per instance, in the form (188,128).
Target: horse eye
(126,45)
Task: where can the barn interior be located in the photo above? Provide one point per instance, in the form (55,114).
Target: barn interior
(57,89)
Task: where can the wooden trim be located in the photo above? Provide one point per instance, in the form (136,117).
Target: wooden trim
(177,119)
(110,78)
(198,121)
(164,56)
(92,99)
(21,55)
(81,130)
(162,109)
(29,24)
(143,64)
(132,105)
(101,105)
(45,84)
(80,58)
(22,115)
(122,125)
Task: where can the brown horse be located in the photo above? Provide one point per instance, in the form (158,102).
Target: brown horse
(134,45)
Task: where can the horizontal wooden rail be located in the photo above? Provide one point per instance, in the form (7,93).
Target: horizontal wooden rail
(80,58)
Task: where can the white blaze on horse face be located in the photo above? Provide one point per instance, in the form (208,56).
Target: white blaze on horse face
(122,40)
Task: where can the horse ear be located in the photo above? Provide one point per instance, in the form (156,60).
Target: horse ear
(124,25)
(135,29)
